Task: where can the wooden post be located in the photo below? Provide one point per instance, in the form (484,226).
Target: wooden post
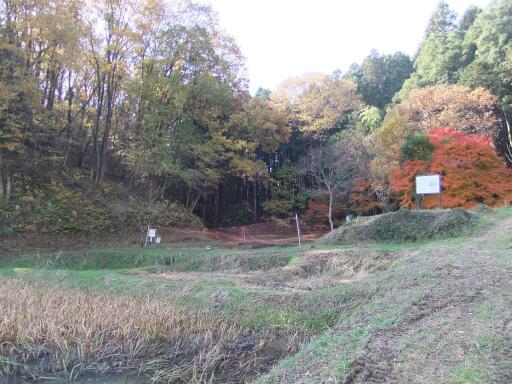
(298,227)
(418,200)
(440,192)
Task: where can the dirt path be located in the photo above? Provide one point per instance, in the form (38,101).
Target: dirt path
(444,311)
(499,231)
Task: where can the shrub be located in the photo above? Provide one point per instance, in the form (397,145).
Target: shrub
(363,198)
(59,209)
(316,215)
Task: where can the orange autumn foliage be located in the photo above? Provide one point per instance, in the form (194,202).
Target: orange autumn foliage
(363,197)
(472,172)
(316,214)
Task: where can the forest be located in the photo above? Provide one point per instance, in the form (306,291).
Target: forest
(118,113)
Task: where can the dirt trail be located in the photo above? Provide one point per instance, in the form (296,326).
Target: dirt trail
(497,231)
(464,277)
(475,273)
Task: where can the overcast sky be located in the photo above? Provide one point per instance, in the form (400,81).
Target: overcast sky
(285,38)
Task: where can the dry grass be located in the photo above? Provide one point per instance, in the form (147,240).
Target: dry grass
(46,330)
(320,268)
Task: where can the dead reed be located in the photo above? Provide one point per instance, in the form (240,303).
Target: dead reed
(46,330)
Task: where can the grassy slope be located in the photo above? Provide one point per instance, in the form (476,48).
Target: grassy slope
(405,225)
(439,314)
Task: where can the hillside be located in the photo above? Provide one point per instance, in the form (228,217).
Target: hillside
(155,114)
(124,121)
(425,312)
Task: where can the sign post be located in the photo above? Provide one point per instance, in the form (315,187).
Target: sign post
(428,185)
(150,236)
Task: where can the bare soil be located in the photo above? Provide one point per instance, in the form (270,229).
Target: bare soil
(251,236)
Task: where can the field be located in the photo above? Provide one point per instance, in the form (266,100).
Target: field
(437,311)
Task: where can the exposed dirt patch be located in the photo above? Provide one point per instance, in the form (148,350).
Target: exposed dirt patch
(251,236)
(279,232)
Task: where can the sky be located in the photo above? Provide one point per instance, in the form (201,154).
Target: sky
(287,38)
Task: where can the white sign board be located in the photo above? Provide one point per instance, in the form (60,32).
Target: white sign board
(151,232)
(426,185)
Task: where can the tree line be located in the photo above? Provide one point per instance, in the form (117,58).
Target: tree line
(153,95)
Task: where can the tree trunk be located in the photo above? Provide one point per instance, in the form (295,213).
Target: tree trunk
(5,181)
(188,199)
(246,184)
(204,208)
(509,137)
(330,210)
(216,212)
(255,201)
(2,193)
(69,121)
(96,132)
(106,132)
(50,101)
(8,187)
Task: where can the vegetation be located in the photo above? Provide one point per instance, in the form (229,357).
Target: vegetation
(404,226)
(333,167)
(216,315)
(471,169)
(155,102)
(116,115)
(72,332)
(430,316)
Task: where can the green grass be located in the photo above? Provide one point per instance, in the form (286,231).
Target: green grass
(425,281)
(468,373)
(413,288)
(177,259)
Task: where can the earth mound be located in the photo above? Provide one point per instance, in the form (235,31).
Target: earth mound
(404,225)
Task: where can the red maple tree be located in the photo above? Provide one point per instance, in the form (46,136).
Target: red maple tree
(363,198)
(471,170)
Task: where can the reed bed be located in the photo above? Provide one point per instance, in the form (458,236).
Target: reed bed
(48,331)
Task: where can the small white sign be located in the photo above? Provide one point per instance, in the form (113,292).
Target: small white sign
(426,185)
(151,232)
